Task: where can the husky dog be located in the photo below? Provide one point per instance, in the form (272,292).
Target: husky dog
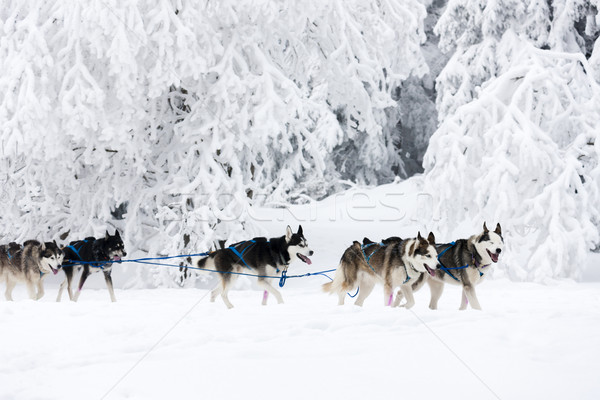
(393,262)
(29,263)
(258,256)
(83,253)
(463,262)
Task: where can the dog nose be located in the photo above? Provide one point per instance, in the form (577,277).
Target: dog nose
(124,253)
(311,253)
(498,251)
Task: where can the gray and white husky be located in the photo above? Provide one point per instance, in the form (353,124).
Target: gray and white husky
(29,263)
(258,256)
(393,262)
(464,263)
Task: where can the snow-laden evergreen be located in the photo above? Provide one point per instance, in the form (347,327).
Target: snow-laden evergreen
(525,153)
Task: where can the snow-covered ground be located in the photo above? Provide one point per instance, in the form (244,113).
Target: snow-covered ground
(530,340)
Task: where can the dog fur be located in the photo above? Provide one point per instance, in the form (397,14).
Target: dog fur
(478,252)
(108,248)
(393,262)
(29,263)
(260,257)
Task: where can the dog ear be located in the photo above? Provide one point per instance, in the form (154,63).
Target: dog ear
(485,229)
(288,234)
(498,229)
(419,237)
(107,234)
(43,247)
(431,238)
(54,241)
(117,234)
(300,233)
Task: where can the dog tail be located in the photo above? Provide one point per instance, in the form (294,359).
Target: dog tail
(345,275)
(338,284)
(204,264)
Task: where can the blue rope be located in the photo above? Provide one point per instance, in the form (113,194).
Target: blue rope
(151,261)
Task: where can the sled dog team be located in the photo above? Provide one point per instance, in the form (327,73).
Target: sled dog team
(32,261)
(406,264)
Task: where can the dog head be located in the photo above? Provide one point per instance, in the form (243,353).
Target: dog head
(114,247)
(489,244)
(297,246)
(422,254)
(51,257)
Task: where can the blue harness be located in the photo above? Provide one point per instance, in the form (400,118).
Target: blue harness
(240,254)
(76,251)
(447,269)
(368,258)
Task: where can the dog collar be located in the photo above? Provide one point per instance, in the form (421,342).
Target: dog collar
(479,266)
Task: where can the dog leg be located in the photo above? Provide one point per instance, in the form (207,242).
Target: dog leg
(31,289)
(436,288)
(341,297)
(469,297)
(408,293)
(388,293)
(399,297)
(60,290)
(264,284)
(10,285)
(216,291)
(226,282)
(40,289)
(463,300)
(366,287)
(109,285)
(67,283)
(84,275)
(226,298)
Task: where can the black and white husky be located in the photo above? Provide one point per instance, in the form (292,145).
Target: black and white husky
(258,256)
(463,262)
(393,262)
(81,254)
(29,263)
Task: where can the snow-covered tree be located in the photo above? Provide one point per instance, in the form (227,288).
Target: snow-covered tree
(525,152)
(167,118)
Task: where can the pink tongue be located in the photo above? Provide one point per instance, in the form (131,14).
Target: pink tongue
(116,258)
(305,259)
(55,271)
(494,257)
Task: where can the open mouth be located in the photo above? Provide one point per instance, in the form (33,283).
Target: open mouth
(431,271)
(54,270)
(304,258)
(116,258)
(493,256)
